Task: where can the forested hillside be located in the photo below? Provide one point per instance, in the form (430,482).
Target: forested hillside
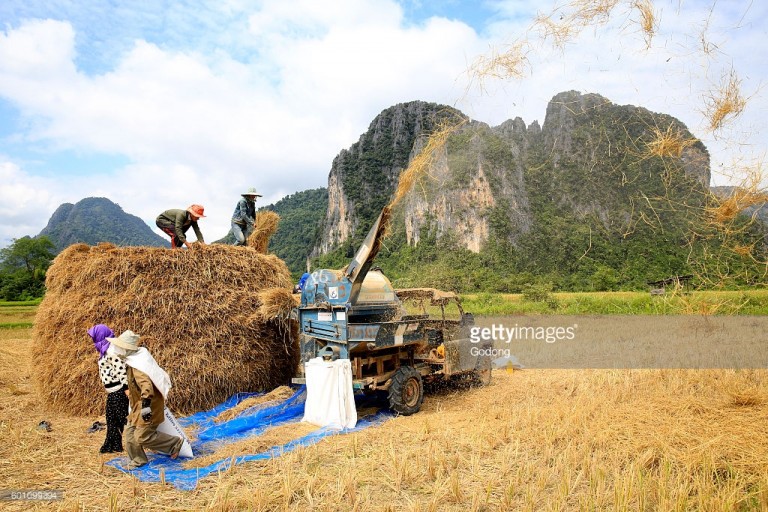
(97,219)
(599,197)
(300,217)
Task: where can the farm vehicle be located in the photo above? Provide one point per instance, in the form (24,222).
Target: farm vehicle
(396,340)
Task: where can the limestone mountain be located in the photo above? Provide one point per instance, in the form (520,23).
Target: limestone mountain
(600,196)
(97,219)
(363,177)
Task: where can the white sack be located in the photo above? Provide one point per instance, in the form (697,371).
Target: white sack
(172,427)
(330,400)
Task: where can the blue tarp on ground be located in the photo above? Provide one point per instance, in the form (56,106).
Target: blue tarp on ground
(252,422)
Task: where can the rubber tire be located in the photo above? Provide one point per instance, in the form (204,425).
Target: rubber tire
(406,393)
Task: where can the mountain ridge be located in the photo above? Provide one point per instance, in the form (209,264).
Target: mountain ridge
(600,196)
(93,220)
(582,201)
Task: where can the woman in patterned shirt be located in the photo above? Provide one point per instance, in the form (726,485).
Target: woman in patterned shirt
(113,375)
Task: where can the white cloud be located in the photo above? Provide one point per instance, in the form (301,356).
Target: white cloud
(24,203)
(673,76)
(39,49)
(268,97)
(200,128)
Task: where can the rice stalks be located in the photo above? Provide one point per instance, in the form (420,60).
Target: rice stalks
(726,103)
(264,226)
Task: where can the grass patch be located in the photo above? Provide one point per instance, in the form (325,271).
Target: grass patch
(745,302)
(21,315)
(16,325)
(17,315)
(33,302)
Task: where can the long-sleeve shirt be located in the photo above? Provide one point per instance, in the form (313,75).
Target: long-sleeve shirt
(113,373)
(140,386)
(179,221)
(245,212)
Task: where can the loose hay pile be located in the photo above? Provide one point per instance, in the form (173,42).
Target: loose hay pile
(196,311)
(277,303)
(273,436)
(264,226)
(275,396)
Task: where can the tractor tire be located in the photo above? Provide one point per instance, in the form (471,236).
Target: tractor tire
(406,393)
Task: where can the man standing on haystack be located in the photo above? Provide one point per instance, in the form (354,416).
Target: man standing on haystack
(148,385)
(244,216)
(176,222)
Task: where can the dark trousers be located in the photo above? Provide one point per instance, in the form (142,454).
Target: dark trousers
(175,240)
(117,414)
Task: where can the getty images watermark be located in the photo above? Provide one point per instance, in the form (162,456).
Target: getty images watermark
(501,333)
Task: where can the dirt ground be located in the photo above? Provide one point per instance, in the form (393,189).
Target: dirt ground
(532,440)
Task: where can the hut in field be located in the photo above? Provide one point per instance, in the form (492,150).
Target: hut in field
(198,311)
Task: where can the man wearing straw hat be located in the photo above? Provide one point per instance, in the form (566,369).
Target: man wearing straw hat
(176,222)
(148,386)
(244,216)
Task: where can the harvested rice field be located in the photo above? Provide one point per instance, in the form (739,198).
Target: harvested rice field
(532,440)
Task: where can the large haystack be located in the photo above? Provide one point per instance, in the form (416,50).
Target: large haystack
(196,310)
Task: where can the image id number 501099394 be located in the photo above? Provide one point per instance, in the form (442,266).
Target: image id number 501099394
(31,494)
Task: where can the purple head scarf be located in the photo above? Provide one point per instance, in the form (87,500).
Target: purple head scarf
(99,333)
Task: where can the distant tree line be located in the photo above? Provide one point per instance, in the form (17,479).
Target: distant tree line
(22,268)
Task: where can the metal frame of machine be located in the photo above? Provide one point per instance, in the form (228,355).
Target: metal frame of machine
(356,314)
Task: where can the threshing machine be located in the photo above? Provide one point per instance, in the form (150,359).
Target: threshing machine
(356,314)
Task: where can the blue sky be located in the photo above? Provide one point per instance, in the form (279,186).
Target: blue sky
(159,104)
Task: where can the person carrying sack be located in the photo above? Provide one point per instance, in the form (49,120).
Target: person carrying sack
(148,386)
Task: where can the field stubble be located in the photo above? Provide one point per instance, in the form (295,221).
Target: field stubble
(533,440)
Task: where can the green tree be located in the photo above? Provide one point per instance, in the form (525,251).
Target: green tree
(22,267)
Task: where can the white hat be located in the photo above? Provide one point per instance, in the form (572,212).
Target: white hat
(129,340)
(251,192)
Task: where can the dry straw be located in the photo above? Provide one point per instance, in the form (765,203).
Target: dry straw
(648,21)
(277,303)
(532,440)
(264,226)
(274,436)
(725,103)
(509,62)
(567,21)
(726,209)
(276,395)
(423,161)
(669,143)
(196,312)
(561,27)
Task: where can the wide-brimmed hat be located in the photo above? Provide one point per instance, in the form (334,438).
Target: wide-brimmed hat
(128,340)
(251,192)
(196,210)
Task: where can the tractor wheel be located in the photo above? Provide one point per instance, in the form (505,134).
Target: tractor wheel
(406,393)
